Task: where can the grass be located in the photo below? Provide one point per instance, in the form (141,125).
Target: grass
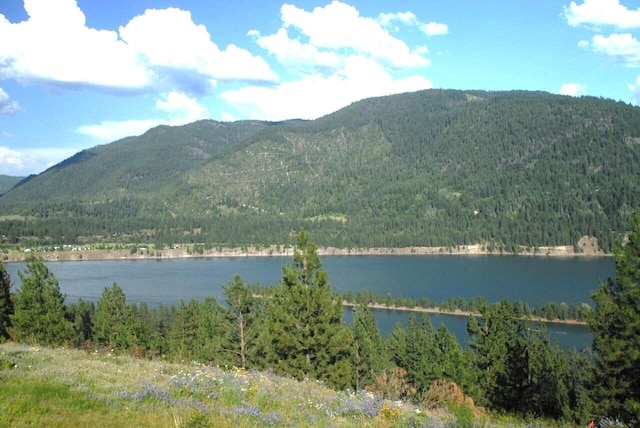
(62,387)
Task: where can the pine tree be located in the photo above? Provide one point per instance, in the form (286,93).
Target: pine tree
(243,308)
(615,325)
(517,369)
(40,313)
(369,358)
(6,303)
(113,323)
(306,335)
(82,313)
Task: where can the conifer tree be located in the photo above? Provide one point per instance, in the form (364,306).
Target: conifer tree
(83,314)
(40,313)
(369,357)
(113,323)
(516,367)
(306,335)
(615,325)
(6,302)
(243,308)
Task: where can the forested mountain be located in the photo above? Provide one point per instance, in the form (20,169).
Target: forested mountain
(7,182)
(430,168)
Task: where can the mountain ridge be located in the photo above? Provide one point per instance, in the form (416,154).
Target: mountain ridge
(429,168)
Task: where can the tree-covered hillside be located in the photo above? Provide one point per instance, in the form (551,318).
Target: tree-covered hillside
(431,168)
(7,182)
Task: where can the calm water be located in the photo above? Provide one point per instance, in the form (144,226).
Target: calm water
(535,280)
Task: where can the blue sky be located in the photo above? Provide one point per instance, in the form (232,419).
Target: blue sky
(76,74)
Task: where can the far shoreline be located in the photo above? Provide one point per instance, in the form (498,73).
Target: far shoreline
(143,253)
(456,313)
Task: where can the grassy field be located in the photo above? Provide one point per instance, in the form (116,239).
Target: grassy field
(73,388)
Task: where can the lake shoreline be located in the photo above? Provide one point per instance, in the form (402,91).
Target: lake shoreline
(457,313)
(142,253)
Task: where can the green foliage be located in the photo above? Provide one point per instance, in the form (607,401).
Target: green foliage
(40,314)
(6,303)
(517,369)
(113,323)
(431,168)
(615,324)
(369,359)
(306,336)
(7,182)
(246,312)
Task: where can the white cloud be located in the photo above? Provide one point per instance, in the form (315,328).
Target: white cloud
(188,46)
(602,13)
(434,29)
(339,27)
(316,95)
(407,18)
(344,57)
(54,45)
(635,91)
(109,130)
(180,108)
(7,106)
(158,51)
(573,89)
(410,19)
(292,52)
(23,162)
(624,48)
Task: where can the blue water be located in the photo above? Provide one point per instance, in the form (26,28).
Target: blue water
(534,280)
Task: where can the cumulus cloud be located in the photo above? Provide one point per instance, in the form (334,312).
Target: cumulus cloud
(339,26)
(316,95)
(7,106)
(292,52)
(597,13)
(180,108)
(23,162)
(624,48)
(635,91)
(189,47)
(334,56)
(573,89)
(434,29)
(55,46)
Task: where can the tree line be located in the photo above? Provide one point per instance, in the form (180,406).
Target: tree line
(296,329)
(432,168)
(550,311)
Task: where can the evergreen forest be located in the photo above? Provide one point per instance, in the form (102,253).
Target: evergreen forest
(430,168)
(295,329)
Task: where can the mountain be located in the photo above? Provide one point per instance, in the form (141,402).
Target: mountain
(430,168)
(7,182)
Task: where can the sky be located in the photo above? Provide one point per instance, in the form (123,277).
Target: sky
(75,74)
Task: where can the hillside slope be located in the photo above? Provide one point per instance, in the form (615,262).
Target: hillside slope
(428,168)
(7,182)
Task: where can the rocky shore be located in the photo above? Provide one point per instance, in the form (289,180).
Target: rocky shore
(77,254)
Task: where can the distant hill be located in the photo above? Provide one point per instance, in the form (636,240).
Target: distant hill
(7,182)
(430,168)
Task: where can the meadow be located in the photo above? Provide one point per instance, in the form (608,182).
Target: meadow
(68,387)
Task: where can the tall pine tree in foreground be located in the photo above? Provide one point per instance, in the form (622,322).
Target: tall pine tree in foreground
(40,313)
(615,325)
(306,336)
(113,325)
(6,304)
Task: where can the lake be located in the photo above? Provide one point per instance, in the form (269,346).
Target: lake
(534,280)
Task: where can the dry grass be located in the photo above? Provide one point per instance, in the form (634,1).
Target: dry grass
(63,387)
